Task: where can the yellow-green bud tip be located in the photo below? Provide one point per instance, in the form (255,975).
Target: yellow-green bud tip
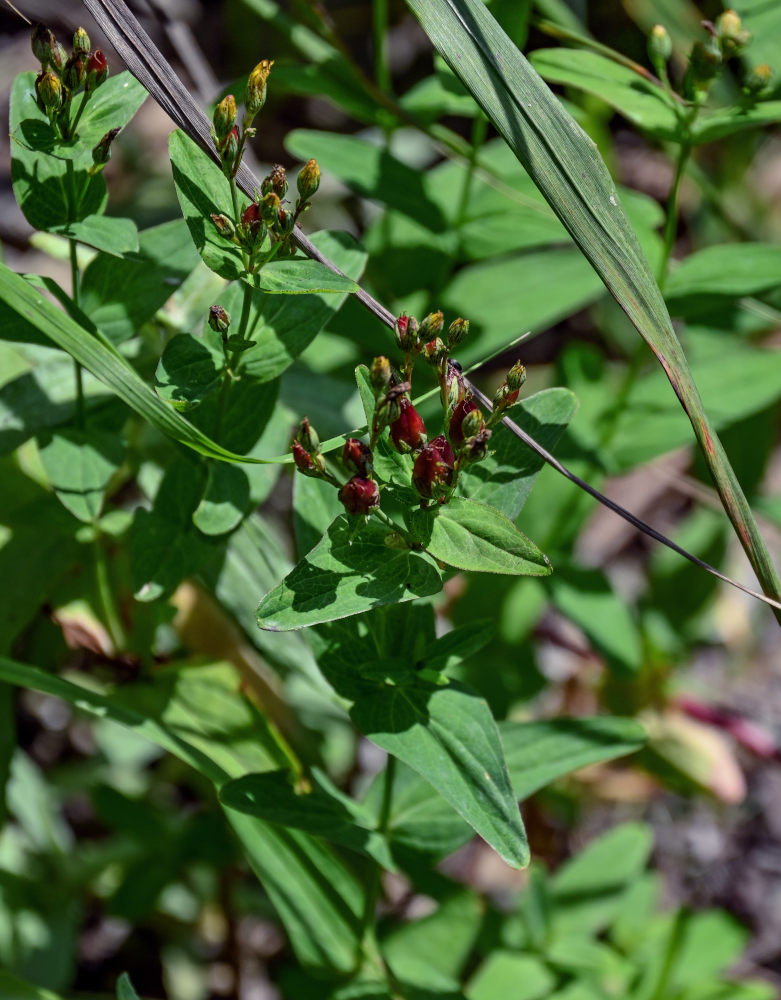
(308,180)
(255,94)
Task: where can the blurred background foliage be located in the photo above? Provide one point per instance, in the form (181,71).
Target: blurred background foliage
(114,856)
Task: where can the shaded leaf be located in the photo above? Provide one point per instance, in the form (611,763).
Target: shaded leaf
(79,465)
(225,500)
(104,232)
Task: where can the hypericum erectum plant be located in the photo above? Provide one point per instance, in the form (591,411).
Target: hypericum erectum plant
(433,464)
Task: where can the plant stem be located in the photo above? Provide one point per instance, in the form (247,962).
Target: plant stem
(79,113)
(380,44)
(80,408)
(373,888)
(479,130)
(106,595)
(229,374)
(671,222)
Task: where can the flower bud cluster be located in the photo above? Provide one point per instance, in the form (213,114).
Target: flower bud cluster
(434,463)
(64,76)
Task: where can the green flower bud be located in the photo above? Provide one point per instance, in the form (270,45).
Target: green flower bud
(286,223)
(269,208)
(456,332)
(58,57)
(101,153)
(276,181)
(219,319)
(660,46)
(229,151)
(307,436)
(731,33)
(758,80)
(380,375)
(75,71)
(224,226)
(472,423)
(434,351)
(405,330)
(43,43)
(224,117)
(431,326)
(255,94)
(81,41)
(516,376)
(49,91)
(308,180)
(704,65)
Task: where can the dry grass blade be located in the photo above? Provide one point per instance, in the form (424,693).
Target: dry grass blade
(149,66)
(567,168)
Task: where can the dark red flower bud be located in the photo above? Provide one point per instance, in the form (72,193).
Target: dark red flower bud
(408,430)
(405,330)
(304,461)
(252,228)
(455,431)
(357,457)
(360,496)
(432,473)
(97,69)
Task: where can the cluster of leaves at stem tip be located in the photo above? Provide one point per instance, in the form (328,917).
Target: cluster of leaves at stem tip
(63,78)
(262,229)
(725,39)
(396,422)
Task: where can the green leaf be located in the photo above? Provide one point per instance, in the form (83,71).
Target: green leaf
(125,989)
(201,717)
(567,168)
(106,363)
(225,500)
(13,988)
(315,505)
(507,973)
(644,103)
(586,597)
(473,536)
(507,296)
(448,735)
(349,571)
(203,191)
(119,296)
(189,369)
(323,810)
(505,477)
(587,890)
(370,171)
(104,232)
(79,465)
(283,326)
(733,269)
(726,121)
(537,753)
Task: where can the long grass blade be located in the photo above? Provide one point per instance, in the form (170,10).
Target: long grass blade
(150,67)
(567,168)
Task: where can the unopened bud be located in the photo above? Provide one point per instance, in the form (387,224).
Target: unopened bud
(58,57)
(731,33)
(101,153)
(516,376)
(49,91)
(97,70)
(357,457)
(304,461)
(405,330)
(456,431)
(224,117)
(504,397)
(229,150)
(42,43)
(704,62)
(476,446)
(433,470)
(81,41)
(380,375)
(252,227)
(74,71)
(276,181)
(456,332)
(434,351)
(472,423)
(224,226)
(255,94)
(408,431)
(219,319)
(286,222)
(360,496)
(269,208)
(308,180)
(307,436)
(431,326)
(758,80)
(660,46)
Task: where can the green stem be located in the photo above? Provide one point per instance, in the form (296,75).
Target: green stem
(479,131)
(80,407)
(106,595)
(380,44)
(671,222)
(79,113)
(229,373)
